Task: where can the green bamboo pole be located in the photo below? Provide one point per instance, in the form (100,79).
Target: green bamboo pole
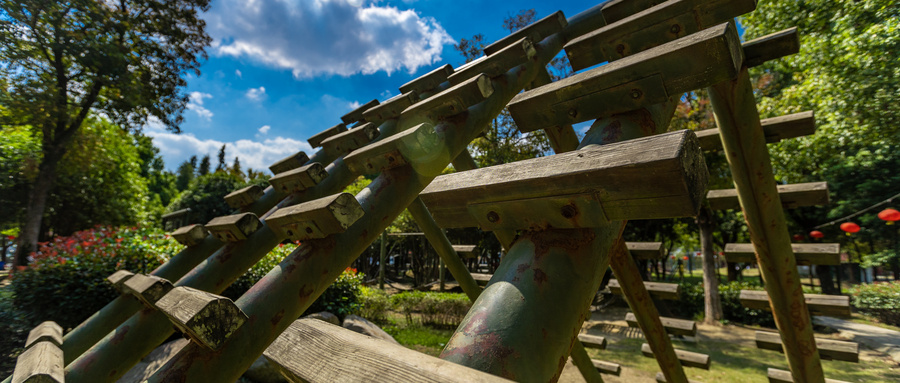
(582,361)
(382,256)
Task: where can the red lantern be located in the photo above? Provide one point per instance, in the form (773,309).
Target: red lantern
(850,227)
(889,215)
(685,257)
(817,234)
(798,237)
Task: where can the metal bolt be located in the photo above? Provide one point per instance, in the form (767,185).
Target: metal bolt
(620,49)
(675,29)
(636,93)
(309,230)
(493,217)
(573,112)
(569,211)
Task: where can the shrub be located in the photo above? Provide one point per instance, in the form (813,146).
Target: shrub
(435,308)
(881,300)
(374,304)
(691,304)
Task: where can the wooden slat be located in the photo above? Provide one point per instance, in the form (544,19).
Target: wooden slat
(615,10)
(673,326)
(43,362)
(244,196)
(646,250)
(316,219)
(208,319)
(775,128)
(147,288)
(657,289)
(516,53)
(190,235)
(645,178)
(592,341)
(453,100)
(770,47)
(415,146)
(805,253)
(391,108)
(607,367)
(482,278)
(782,376)
(828,349)
(316,140)
(47,331)
(643,79)
(357,114)
(429,80)
(299,179)
(829,305)
(535,31)
(687,358)
(352,139)
(235,227)
(290,162)
(314,351)
(792,196)
(464,248)
(118,278)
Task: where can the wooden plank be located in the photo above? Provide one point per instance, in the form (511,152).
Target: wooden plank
(615,10)
(298,179)
(661,378)
(244,196)
(464,248)
(190,235)
(352,139)
(317,218)
(290,162)
(118,278)
(645,178)
(782,376)
(453,100)
(657,289)
(208,319)
(147,288)
(592,341)
(482,278)
(646,250)
(357,114)
(607,367)
(652,27)
(829,305)
(775,128)
(499,63)
(535,32)
(314,351)
(43,362)
(47,331)
(391,108)
(687,358)
(771,47)
(428,81)
(672,325)
(828,349)
(233,228)
(643,79)
(792,196)
(414,146)
(805,253)
(316,140)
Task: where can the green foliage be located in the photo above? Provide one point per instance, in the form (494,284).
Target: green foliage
(434,308)
(881,300)
(374,304)
(690,303)
(14,329)
(206,196)
(20,154)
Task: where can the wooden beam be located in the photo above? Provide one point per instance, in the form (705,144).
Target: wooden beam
(829,305)
(775,129)
(314,351)
(673,326)
(391,108)
(316,140)
(244,196)
(118,278)
(592,341)
(792,196)
(428,81)
(828,349)
(454,100)
(805,253)
(299,179)
(464,248)
(687,358)
(513,55)
(536,31)
(317,218)
(147,288)
(482,278)
(357,114)
(782,376)
(352,139)
(412,146)
(643,79)
(207,319)
(646,250)
(43,362)
(233,228)
(657,289)
(290,162)
(190,235)
(47,331)
(771,47)
(652,177)
(607,367)
(615,10)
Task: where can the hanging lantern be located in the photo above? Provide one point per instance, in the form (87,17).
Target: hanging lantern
(798,237)
(850,227)
(889,215)
(817,234)
(685,257)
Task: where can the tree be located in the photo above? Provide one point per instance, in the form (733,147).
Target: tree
(220,167)
(185,175)
(206,197)
(204,166)
(62,60)
(236,168)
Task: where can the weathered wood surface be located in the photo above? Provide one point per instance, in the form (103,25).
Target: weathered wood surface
(233,228)
(464,248)
(615,10)
(314,351)
(829,305)
(771,47)
(352,139)
(782,376)
(499,63)
(428,81)
(805,253)
(687,358)
(190,235)
(118,278)
(643,79)
(391,108)
(646,250)
(357,114)
(673,326)
(657,289)
(454,100)
(316,219)
(654,177)
(244,196)
(43,362)
(775,129)
(316,139)
(290,162)
(607,367)
(407,147)
(535,32)
(47,331)
(299,179)
(661,378)
(650,28)
(792,196)
(206,318)
(828,349)
(592,341)
(147,288)
(482,278)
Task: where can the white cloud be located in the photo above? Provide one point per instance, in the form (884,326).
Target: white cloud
(195,103)
(353,105)
(342,37)
(264,129)
(237,72)
(256,94)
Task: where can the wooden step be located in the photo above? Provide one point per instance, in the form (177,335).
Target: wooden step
(42,362)
(592,341)
(316,219)
(454,100)
(661,378)
(646,78)
(775,129)
(415,146)
(356,115)
(828,349)
(316,140)
(118,278)
(299,179)
(482,278)
(782,376)
(805,253)
(428,81)
(658,290)
(290,162)
(465,251)
(829,305)
(147,288)
(47,331)
(535,32)
(190,235)
(650,28)
(314,351)
(673,326)
(391,108)
(607,367)
(687,358)
(208,319)
(792,196)
(517,53)
(771,47)
(244,197)
(646,250)
(233,228)
(352,139)
(646,178)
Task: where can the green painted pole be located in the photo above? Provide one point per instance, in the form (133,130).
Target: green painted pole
(381,259)
(582,361)
(743,140)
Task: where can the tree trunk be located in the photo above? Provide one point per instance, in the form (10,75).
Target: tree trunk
(734,271)
(713,309)
(37,203)
(826,280)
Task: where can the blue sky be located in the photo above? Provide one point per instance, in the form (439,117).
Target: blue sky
(280,71)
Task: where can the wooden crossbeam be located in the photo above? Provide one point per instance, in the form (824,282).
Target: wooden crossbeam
(775,129)
(316,139)
(352,139)
(190,235)
(592,341)
(482,278)
(805,253)
(771,47)
(118,278)
(607,367)
(453,100)
(47,331)
(147,288)
(782,376)
(657,289)
(290,162)
(391,108)
(314,351)
(643,79)
(615,10)
(408,147)
(828,349)
(428,81)
(535,31)
(687,358)
(317,218)
(672,325)
(464,248)
(357,114)
(299,179)
(792,196)
(830,305)
(206,318)
(499,63)
(42,362)
(233,228)
(646,250)
(244,196)
(652,177)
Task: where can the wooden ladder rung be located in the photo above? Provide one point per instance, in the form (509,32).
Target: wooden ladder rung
(206,318)
(792,196)
(352,139)
(317,218)
(672,325)
(454,100)
(47,331)
(290,162)
(828,349)
(782,376)
(536,31)
(356,115)
(657,289)
(147,288)
(482,278)
(412,146)
(646,250)
(244,197)
(299,179)
(771,47)
(592,341)
(805,253)
(687,358)
(514,54)
(316,139)
(235,227)
(190,235)
(42,362)
(428,81)
(775,128)
(391,108)
(118,278)
(608,368)
(829,305)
